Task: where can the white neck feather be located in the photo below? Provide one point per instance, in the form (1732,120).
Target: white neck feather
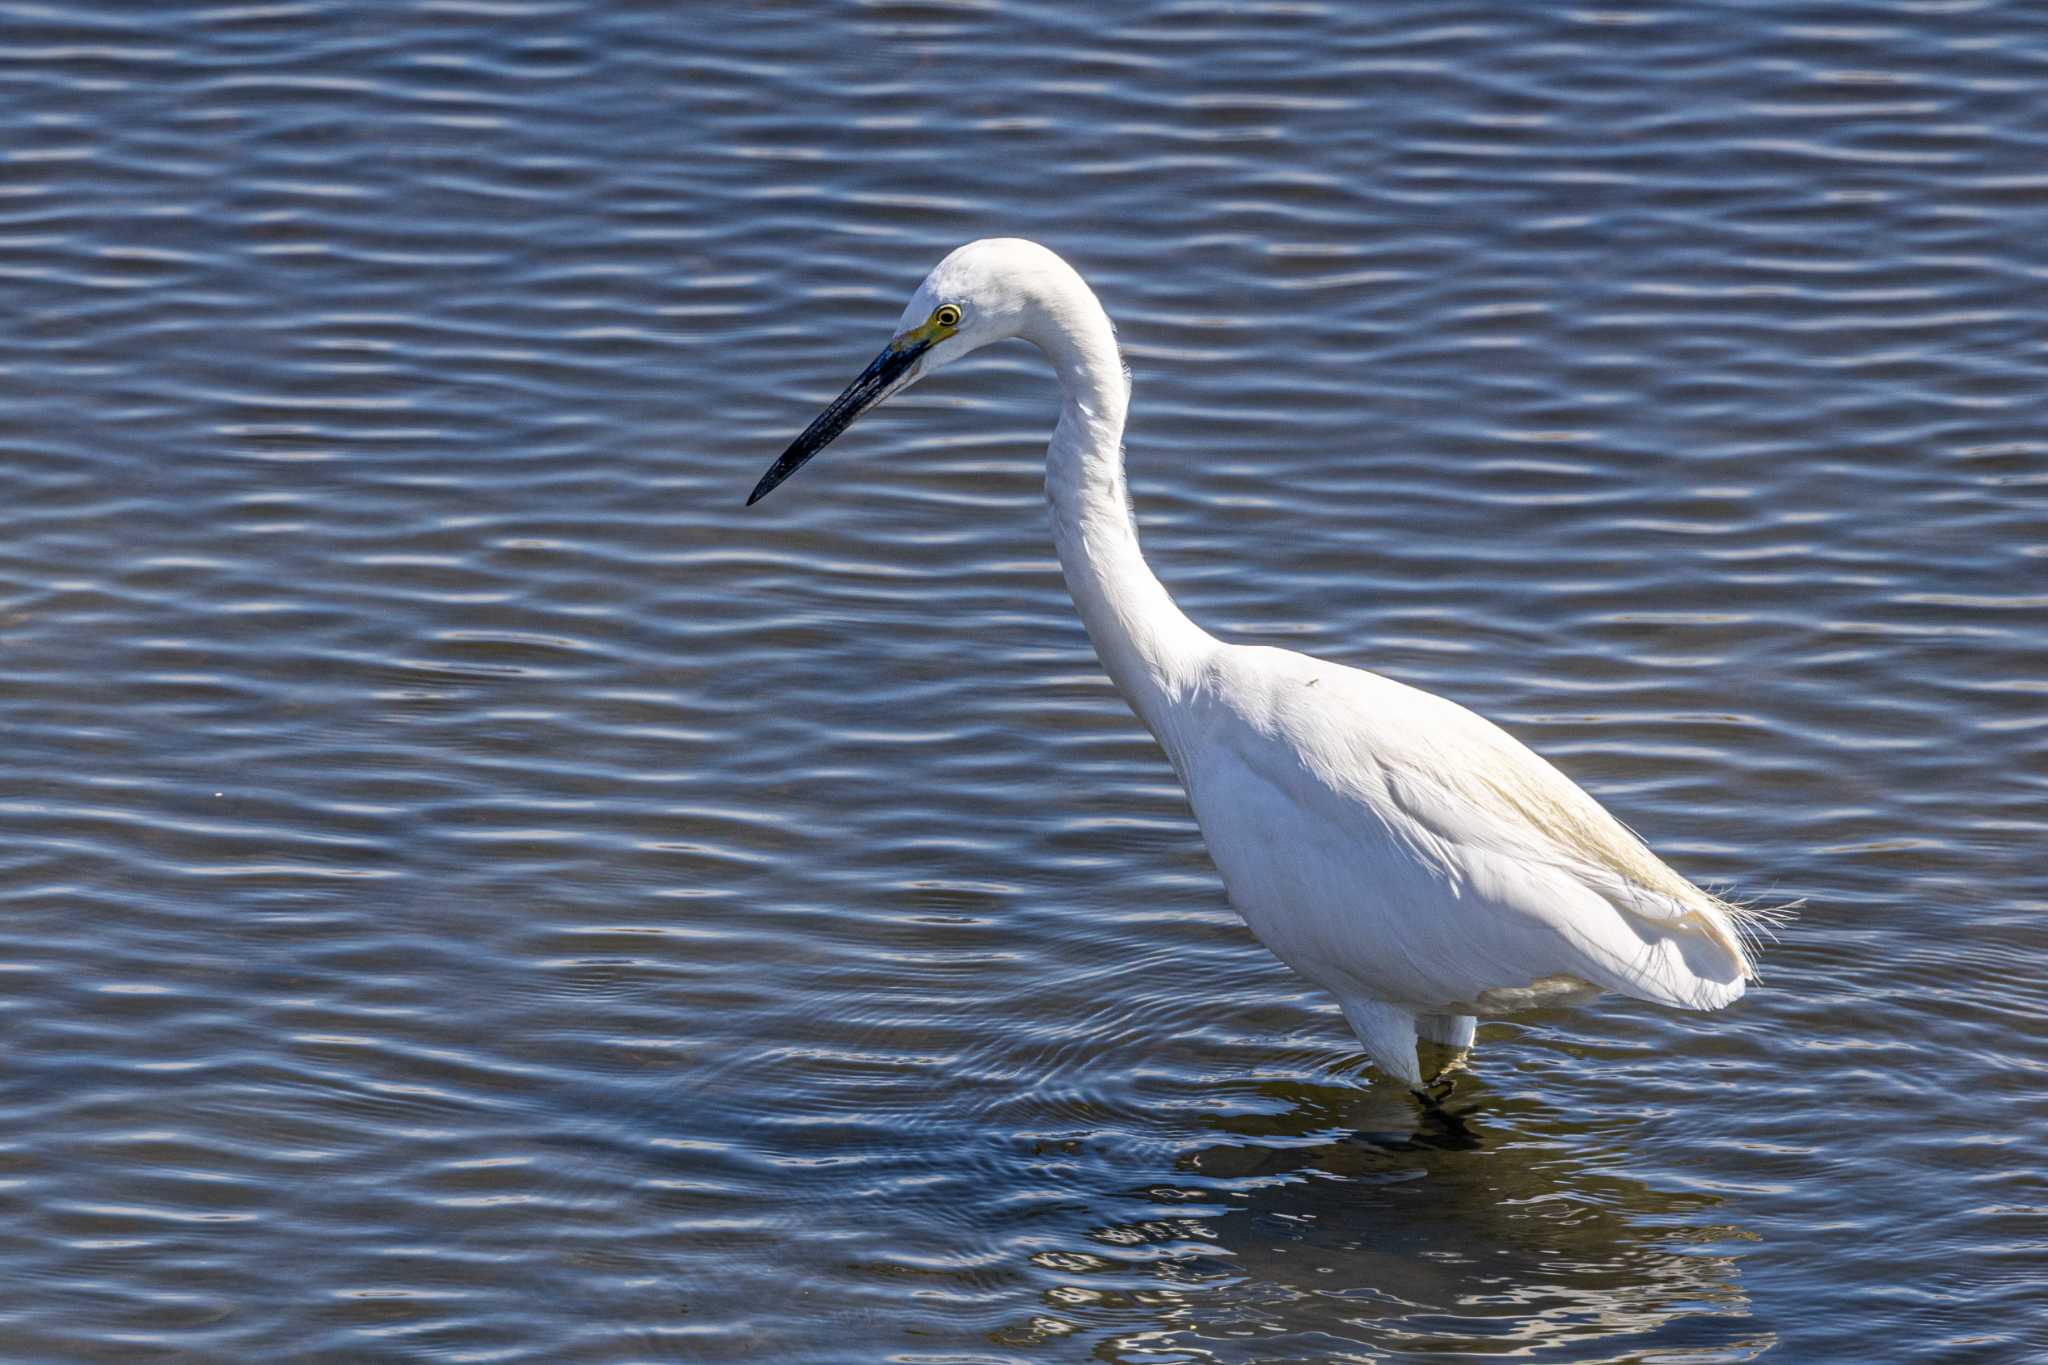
(1150,649)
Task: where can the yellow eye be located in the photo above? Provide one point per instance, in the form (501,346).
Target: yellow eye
(946,315)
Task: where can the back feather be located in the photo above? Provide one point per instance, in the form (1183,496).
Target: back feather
(1473,784)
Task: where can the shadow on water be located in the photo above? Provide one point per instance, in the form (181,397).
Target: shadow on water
(1351,1220)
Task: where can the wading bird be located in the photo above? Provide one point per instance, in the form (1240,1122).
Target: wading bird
(1406,855)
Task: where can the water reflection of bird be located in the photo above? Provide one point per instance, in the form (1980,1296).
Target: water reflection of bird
(1404,854)
(1530,1234)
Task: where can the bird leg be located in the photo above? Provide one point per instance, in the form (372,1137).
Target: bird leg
(1440,1060)
(1388,1035)
(1445,1041)
(1443,1128)
(1436,1092)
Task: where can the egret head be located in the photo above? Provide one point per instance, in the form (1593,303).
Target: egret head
(983,292)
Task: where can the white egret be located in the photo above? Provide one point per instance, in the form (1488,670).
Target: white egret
(1406,855)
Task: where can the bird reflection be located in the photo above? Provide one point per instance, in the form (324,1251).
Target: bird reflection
(1493,1226)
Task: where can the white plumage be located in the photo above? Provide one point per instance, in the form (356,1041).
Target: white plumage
(1406,855)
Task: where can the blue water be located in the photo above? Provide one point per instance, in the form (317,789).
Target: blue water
(475,893)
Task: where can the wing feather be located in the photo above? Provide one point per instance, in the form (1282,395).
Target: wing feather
(1507,864)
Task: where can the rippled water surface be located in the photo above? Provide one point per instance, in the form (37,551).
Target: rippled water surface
(473,892)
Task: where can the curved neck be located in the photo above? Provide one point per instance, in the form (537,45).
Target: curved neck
(1150,649)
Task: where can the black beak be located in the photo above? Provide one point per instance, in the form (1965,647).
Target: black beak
(880,379)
